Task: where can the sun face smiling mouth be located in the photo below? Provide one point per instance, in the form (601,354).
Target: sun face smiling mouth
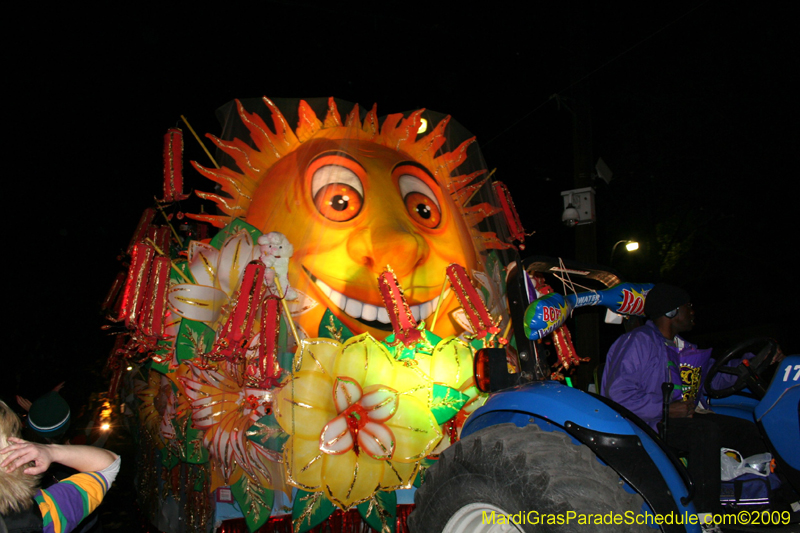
(370,315)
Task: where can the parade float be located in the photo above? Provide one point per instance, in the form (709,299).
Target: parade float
(296,353)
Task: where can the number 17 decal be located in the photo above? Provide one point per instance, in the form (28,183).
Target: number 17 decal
(788,372)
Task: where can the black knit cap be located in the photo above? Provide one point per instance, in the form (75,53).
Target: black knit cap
(663,298)
(49,415)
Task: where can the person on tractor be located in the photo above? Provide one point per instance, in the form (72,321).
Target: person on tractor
(640,361)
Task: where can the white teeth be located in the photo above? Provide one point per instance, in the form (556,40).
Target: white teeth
(383,316)
(425,309)
(324,288)
(353,308)
(369,312)
(338,299)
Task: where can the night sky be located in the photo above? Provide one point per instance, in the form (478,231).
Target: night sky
(693,107)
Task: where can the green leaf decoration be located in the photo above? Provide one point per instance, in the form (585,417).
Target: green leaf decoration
(310,510)
(401,351)
(254,500)
(380,511)
(168,460)
(425,346)
(267,433)
(285,361)
(477,344)
(432,339)
(232,229)
(194,339)
(446,402)
(332,328)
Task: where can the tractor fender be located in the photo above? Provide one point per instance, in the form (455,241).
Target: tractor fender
(633,452)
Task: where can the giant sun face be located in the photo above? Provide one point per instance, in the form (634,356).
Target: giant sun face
(352,200)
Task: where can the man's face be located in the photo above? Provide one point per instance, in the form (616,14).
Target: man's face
(684,320)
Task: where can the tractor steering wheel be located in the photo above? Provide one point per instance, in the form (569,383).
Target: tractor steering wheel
(749,373)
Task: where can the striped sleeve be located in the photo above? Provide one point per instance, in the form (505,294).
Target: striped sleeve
(65,504)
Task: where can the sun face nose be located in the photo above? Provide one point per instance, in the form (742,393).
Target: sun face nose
(394,244)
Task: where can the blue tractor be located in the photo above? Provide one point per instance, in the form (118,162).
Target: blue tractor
(542,456)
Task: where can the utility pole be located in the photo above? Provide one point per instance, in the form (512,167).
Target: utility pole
(587,334)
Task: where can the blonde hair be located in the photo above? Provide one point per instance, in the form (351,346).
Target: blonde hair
(16,488)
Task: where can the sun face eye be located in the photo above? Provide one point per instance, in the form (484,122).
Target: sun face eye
(421,202)
(338,202)
(337,191)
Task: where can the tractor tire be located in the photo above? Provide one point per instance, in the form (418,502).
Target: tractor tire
(510,470)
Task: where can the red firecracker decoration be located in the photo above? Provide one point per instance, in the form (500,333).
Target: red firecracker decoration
(265,372)
(403,322)
(510,211)
(159,235)
(477,314)
(136,283)
(151,317)
(144,302)
(236,333)
(173,166)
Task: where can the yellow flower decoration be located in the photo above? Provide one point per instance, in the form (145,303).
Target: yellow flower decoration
(359,420)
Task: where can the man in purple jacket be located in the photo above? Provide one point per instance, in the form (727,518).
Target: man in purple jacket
(644,358)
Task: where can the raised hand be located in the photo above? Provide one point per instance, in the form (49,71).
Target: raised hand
(22,452)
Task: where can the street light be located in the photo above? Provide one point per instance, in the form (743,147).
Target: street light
(631,246)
